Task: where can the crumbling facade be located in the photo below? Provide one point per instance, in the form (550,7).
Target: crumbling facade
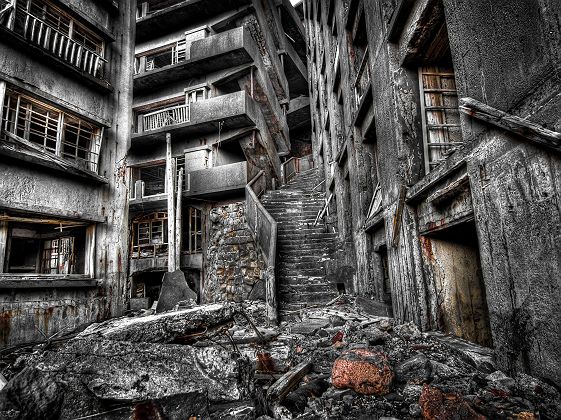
(216,80)
(437,126)
(65,80)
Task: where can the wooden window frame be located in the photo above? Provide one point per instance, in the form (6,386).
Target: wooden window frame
(12,120)
(448,146)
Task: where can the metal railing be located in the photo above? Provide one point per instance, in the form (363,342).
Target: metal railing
(264,230)
(61,45)
(294,166)
(169,116)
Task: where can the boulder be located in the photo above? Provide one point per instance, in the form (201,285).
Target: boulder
(364,371)
(437,405)
(415,370)
(169,327)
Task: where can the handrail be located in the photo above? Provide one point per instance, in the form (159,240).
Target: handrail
(256,215)
(293,167)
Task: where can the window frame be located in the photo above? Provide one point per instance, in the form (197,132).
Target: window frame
(10,123)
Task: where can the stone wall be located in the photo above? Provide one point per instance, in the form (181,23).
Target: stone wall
(234,267)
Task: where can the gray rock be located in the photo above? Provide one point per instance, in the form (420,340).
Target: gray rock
(174,289)
(373,336)
(308,327)
(416,370)
(408,331)
(371,307)
(498,379)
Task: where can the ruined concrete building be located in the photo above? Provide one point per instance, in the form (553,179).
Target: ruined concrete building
(437,126)
(404,151)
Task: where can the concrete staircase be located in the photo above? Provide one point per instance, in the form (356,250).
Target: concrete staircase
(302,249)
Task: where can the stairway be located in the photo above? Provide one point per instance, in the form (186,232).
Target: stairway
(302,249)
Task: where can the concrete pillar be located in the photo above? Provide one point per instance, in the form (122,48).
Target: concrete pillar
(171,205)
(3,244)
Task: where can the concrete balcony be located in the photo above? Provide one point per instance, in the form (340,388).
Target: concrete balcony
(218,52)
(217,181)
(180,15)
(234,110)
(160,263)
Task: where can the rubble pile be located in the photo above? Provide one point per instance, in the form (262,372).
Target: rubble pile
(221,361)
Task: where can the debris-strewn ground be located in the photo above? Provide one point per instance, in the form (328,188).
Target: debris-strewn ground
(221,361)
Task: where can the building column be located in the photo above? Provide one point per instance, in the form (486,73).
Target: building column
(170,172)
(3,243)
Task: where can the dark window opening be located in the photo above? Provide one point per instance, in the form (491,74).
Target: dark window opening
(45,249)
(153,177)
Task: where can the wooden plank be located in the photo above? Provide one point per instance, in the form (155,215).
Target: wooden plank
(529,130)
(280,389)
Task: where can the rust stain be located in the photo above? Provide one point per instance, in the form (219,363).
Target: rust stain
(47,316)
(5,326)
(426,244)
(265,362)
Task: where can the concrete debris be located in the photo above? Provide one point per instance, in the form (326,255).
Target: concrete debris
(167,327)
(174,290)
(220,362)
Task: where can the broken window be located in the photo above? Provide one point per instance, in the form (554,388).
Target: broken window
(48,26)
(195,231)
(359,57)
(153,179)
(46,247)
(169,54)
(52,130)
(198,94)
(440,114)
(150,235)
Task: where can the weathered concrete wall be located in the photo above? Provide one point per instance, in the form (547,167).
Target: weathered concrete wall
(234,268)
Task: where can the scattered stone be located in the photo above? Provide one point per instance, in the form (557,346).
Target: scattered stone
(364,371)
(373,336)
(407,331)
(416,370)
(308,327)
(437,405)
(174,289)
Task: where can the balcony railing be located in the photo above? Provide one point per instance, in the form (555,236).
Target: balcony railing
(39,32)
(169,116)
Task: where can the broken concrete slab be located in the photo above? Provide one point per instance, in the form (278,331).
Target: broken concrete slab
(174,290)
(98,372)
(168,327)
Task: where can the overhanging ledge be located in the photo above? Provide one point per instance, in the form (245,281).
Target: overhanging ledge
(45,281)
(529,130)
